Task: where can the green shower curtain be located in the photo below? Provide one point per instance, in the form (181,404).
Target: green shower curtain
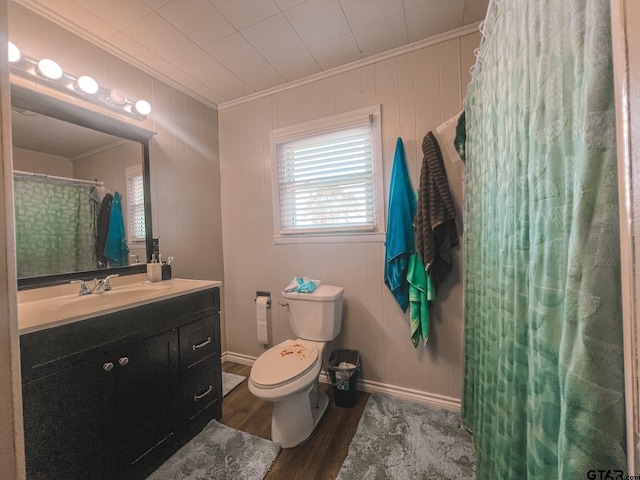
(55,227)
(544,382)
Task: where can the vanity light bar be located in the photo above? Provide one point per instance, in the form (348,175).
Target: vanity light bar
(48,72)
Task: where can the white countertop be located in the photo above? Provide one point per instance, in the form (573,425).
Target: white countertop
(49,307)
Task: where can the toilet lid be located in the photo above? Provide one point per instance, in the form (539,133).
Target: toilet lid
(284,363)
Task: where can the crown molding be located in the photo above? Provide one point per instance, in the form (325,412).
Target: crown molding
(427,42)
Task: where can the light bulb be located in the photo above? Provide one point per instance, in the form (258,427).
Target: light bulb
(49,69)
(143,107)
(87,84)
(14,53)
(117,96)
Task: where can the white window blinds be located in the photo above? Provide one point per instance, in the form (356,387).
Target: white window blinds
(135,202)
(326,181)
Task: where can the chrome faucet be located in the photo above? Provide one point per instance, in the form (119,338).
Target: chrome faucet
(84,287)
(103,284)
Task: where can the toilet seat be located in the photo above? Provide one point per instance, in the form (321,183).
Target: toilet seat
(284,363)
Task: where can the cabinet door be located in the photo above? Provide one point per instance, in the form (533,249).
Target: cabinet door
(64,425)
(146,403)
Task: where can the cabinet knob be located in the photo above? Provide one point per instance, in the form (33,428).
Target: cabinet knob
(107,367)
(123,361)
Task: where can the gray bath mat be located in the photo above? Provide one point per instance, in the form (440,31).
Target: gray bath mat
(404,440)
(230,381)
(220,453)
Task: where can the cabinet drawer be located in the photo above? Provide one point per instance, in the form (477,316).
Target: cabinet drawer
(200,388)
(198,340)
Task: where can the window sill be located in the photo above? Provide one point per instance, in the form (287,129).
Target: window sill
(376,237)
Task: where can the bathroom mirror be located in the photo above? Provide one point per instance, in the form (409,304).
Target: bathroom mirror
(69,162)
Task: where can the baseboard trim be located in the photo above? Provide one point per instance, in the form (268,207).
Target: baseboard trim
(369,386)
(238,358)
(431,399)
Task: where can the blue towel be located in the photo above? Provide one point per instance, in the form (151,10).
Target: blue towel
(116,249)
(399,242)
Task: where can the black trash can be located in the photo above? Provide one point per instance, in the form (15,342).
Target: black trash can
(344,379)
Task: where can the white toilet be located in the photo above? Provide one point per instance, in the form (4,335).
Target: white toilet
(287,374)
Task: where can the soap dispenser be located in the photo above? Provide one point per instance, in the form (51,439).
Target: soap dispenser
(154,269)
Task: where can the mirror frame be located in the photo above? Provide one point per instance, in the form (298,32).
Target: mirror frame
(23,97)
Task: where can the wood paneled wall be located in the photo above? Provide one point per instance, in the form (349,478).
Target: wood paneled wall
(418,91)
(185,173)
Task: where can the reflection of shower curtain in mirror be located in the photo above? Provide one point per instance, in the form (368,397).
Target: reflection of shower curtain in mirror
(55,227)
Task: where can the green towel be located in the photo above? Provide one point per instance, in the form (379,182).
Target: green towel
(421,296)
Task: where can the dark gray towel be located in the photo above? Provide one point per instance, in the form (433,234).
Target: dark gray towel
(102,229)
(435,225)
(460,141)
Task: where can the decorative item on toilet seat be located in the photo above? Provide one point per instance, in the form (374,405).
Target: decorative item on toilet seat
(298,350)
(287,374)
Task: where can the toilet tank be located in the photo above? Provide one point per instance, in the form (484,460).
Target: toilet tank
(316,316)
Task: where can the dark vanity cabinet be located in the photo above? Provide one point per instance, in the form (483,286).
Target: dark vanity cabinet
(112,397)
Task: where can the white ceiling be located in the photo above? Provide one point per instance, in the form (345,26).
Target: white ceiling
(221,50)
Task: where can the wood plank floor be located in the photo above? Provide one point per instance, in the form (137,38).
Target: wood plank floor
(320,457)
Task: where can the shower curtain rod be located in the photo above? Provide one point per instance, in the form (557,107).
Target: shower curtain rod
(61,179)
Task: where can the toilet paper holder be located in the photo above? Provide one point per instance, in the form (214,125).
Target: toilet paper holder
(262,293)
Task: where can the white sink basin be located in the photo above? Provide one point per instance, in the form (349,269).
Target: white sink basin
(116,296)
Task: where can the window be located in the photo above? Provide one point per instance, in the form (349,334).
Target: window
(135,204)
(328,176)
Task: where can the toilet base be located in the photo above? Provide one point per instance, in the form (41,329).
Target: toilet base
(295,418)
